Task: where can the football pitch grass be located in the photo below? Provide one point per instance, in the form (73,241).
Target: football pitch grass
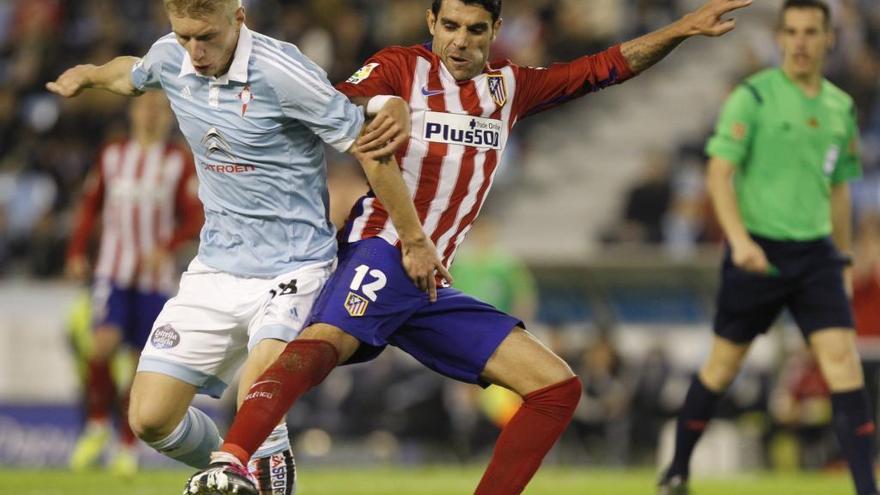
(428,481)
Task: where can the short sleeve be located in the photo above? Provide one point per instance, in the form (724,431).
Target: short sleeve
(147,72)
(735,129)
(849,165)
(307,96)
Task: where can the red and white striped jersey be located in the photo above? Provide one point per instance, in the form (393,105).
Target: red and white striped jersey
(460,129)
(147,198)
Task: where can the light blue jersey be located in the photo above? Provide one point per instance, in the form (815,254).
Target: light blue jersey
(256,133)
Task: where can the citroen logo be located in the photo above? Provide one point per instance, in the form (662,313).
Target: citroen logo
(215,144)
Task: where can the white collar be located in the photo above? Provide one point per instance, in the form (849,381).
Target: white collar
(238,70)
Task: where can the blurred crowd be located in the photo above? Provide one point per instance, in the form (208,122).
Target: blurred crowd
(667,204)
(48,145)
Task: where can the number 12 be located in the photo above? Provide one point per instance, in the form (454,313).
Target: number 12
(371,288)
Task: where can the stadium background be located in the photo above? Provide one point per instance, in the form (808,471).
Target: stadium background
(602,202)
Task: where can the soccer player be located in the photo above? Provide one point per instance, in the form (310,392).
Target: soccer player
(144,189)
(784,148)
(462,111)
(254,111)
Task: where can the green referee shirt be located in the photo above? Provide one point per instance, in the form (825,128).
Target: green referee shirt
(788,149)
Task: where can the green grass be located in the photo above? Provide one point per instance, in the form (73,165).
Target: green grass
(427,481)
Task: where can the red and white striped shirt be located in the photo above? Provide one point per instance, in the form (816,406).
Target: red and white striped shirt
(148,198)
(460,129)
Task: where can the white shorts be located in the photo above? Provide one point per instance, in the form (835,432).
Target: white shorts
(203,335)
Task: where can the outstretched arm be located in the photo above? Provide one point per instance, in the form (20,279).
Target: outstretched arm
(542,89)
(114,76)
(645,51)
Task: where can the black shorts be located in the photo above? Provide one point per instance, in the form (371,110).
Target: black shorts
(809,283)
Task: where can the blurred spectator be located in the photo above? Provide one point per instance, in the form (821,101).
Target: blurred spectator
(800,405)
(866,277)
(646,203)
(649,403)
(605,411)
(866,295)
(685,223)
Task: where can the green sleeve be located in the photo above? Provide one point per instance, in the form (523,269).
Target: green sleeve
(849,165)
(736,126)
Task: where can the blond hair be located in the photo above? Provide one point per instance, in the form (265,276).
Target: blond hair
(200,8)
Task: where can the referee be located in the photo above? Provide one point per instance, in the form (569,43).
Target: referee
(784,149)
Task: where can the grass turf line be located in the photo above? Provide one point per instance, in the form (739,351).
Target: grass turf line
(427,481)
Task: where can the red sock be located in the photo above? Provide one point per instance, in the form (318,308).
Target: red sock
(303,365)
(100,390)
(528,437)
(126,436)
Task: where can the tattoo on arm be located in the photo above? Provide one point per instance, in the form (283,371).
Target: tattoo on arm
(642,53)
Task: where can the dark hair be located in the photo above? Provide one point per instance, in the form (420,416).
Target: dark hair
(807,4)
(491,6)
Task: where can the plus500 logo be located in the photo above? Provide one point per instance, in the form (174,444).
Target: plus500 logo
(463,130)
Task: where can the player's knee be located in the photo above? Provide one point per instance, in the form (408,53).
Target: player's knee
(717,375)
(841,367)
(522,364)
(560,373)
(554,372)
(265,353)
(558,400)
(106,342)
(573,388)
(345,344)
(149,425)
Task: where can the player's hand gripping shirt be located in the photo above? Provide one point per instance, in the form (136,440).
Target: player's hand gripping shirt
(788,150)
(146,198)
(256,133)
(459,130)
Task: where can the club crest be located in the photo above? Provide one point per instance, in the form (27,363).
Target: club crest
(497,88)
(355,305)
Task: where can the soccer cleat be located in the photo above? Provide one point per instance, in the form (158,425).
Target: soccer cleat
(89,446)
(124,463)
(222,478)
(275,474)
(673,485)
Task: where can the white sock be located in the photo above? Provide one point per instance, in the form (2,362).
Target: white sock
(192,441)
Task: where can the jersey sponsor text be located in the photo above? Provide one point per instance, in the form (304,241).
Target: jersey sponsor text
(463,130)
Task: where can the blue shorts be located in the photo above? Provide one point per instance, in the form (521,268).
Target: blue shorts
(371,298)
(809,283)
(130,310)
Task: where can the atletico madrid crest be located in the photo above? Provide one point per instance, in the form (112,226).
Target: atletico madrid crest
(498,89)
(355,305)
